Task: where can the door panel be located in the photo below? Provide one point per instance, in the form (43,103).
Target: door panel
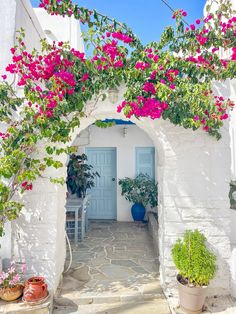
(103,195)
(145,161)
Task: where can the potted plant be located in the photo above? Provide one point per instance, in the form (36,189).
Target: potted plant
(196,265)
(12,283)
(141,191)
(80,176)
(35,289)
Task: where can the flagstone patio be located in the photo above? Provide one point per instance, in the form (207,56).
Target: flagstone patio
(115,263)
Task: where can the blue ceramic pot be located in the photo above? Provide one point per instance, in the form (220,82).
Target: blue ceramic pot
(138,212)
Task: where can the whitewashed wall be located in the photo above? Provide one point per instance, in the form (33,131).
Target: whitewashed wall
(228,89)
(113,137)
(38,236)
(60,28)
(6,42)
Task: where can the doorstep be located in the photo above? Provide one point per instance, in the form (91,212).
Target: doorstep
(18,307)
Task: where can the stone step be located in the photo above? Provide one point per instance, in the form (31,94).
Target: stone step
(107,291)
(158,306)
(18,307)
(82,299)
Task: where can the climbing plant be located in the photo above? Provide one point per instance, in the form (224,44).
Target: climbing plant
(169,79)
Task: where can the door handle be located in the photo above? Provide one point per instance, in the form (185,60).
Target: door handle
(113,179)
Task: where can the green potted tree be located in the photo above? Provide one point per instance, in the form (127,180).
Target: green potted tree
(141,191)
(80,176)
(196,266)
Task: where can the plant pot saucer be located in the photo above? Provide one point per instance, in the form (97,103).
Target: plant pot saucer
(36,302)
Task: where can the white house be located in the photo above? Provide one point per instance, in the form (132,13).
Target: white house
(193,171)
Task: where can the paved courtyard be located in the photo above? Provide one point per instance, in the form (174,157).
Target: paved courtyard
(114,264)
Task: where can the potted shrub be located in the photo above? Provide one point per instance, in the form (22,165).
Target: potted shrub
(141,191)
(80,176)
(196,265)
(12,283)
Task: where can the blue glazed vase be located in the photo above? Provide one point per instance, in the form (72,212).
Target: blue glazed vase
(138,212)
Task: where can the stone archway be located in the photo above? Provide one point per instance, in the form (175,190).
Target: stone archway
(193,175)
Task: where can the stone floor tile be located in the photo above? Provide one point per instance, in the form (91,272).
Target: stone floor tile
(116,271)
(127,263)
(114,260)
(99,261)
(81,273)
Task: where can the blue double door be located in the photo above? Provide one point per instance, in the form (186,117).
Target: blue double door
(103,195)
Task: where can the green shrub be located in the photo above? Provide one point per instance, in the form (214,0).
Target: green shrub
(193,259)
(142,190)
(80,175)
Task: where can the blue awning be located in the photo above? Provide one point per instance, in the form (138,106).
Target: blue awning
(118,121)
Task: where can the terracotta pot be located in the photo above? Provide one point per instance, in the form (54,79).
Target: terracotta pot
(11,293)
(191,298)
(35,289)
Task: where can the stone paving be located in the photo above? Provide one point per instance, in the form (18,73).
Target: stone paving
(115,263)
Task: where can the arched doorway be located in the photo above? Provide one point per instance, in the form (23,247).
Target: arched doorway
(120,151)
(193,175)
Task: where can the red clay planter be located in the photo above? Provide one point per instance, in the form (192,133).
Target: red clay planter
(35,289)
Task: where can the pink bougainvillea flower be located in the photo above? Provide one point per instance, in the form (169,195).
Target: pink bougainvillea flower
(202,40)
(85,77)
(214,49)
(29,187)
(192,26)
(233,56)
(208,18)
(150,55)
(149,88)
(24,184)
(140,65)
(13,50)
(123,37)
(11,68)
(155,58)
(153,75)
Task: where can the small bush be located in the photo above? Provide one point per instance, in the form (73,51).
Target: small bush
(142,190)
(193,260)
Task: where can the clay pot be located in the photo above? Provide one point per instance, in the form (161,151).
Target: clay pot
(11,293)
(35,289)
(191,299)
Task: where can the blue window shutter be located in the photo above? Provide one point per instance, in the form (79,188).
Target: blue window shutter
(145,161)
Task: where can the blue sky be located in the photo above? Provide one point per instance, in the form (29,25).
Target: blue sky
(146,18)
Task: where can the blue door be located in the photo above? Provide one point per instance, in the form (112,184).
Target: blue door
(145,161)
(103,195)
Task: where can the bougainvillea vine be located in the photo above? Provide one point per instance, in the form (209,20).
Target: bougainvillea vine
(169,79)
